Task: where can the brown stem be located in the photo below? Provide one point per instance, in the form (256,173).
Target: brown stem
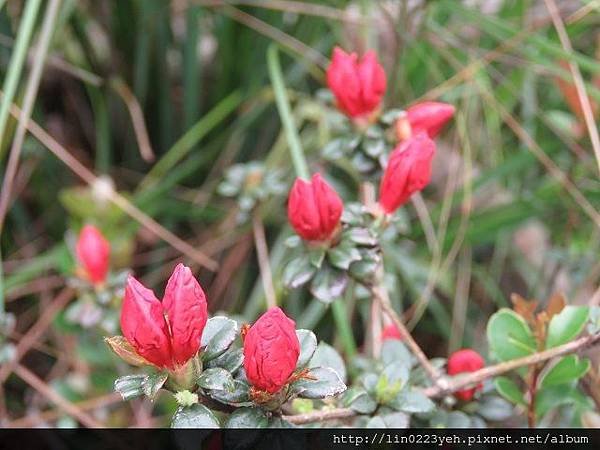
(532,394)
(264,265)
(320,416)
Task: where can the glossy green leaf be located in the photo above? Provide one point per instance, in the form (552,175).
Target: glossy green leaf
(509,336)
(219,333)
(327,356)
(297,272)
(328,284)
(247,418)
(508,389)
(130,386)
(566,325)
(195,416)
(216,378)
(566,370)
(326,383)
(308,345)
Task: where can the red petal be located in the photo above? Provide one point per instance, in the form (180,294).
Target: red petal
(143,324)
(185,306)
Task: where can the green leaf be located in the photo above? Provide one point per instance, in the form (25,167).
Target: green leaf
(316,256)
(412,401)
(237,396)
(327,383)
(508,389)
(195,416)
(458,419)
(376,422)
(329,284)
(551,397)
(327,356)
(298,272)
(396,420)
(130,386)
(218,335)
(361,236)
(359,400)
(342,255)
(494,408)
(568,369)
(216,378)
(566,325)
(152,384)
(393,350)
(231,360)
(509,336)
(247,418)
(308,345)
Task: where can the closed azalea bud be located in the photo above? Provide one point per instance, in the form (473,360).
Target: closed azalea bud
(93,253)
(429,117)
(358,85)
(185,306)
(144,326)
(408,171)
(461,361)
(166,333)
(271,351)
(314,209)
(391,332)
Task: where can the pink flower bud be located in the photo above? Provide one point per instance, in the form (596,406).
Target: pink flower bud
(429,117)
(185,306)
(144,325)
(314,209)
(271,351)
(93,253)
(461,361)
(408,171)
(391,332)
(358,86)
(166,334)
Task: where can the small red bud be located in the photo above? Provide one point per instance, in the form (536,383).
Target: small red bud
(358,86)
(408,171)
(429,117)
(93,253)
(461,361)
(391,332)
(314,209)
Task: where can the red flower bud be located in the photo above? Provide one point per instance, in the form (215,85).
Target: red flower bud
(391,332)
(429,117)
(461,361)
(408,171)
(358,86)
(186,310)
(271,351)
(93,253)
(166,334)
(314,209)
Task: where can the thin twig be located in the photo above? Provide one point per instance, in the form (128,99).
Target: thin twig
(380,295)
(39,385)
(36,331)
(584,100)
(32,420)
(137,118)
(129,208)
(320,416)
(263,259)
